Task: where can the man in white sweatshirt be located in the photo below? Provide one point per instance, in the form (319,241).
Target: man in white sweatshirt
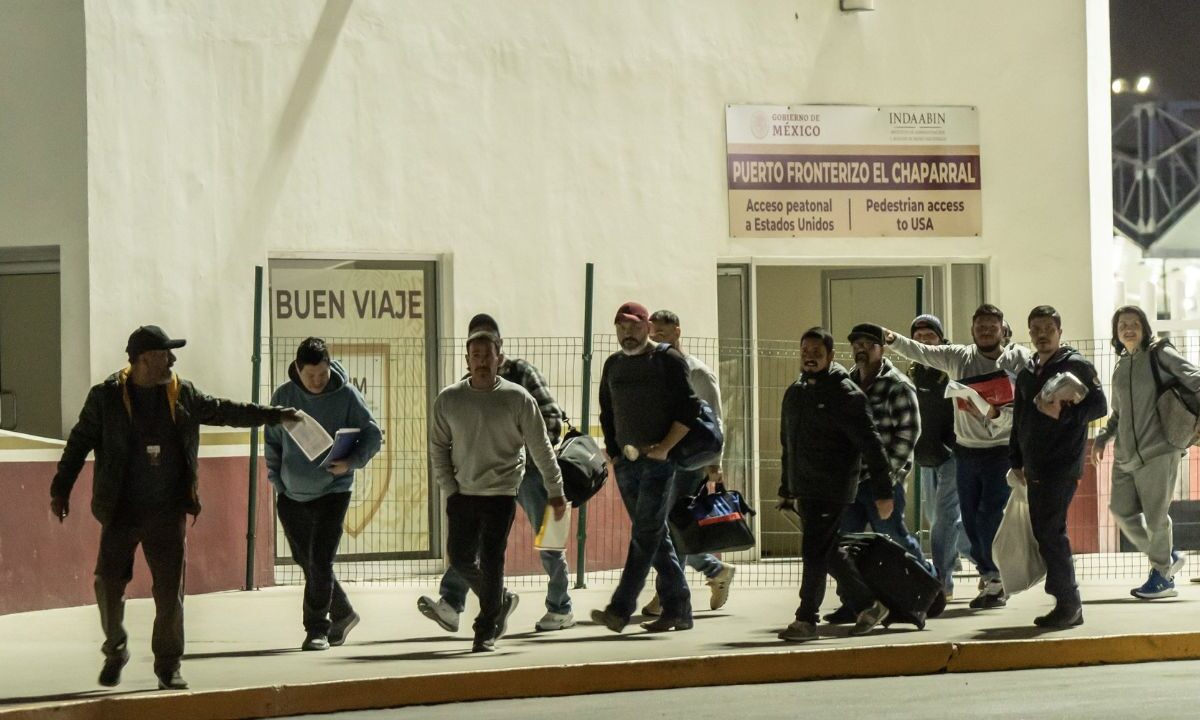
(982,450)
(479,430)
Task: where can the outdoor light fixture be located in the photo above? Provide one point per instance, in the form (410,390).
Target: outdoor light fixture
(1142,86)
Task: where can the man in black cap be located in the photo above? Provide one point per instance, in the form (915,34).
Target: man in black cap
(531,496)
(893,403)
(143,423)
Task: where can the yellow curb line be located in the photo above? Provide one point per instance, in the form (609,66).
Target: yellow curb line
(586,679)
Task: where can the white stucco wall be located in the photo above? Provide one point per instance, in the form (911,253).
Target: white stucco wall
(43,169)
(521,139)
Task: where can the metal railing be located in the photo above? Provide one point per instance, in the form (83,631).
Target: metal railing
(393,533)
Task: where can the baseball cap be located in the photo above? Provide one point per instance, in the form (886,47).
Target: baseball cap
(483,321)
(488,335)
(632,311)
(151,337)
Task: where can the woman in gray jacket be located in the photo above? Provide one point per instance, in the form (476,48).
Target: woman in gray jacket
(1145,465)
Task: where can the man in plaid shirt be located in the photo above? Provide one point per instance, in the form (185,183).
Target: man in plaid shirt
(531,496)
(893,402)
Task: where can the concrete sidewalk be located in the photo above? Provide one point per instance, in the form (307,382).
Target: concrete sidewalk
(239,640)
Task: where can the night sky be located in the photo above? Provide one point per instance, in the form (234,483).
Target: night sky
(1159,38)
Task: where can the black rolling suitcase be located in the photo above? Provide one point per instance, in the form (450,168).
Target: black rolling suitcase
(908,590)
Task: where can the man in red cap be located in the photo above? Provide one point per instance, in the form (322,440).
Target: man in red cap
(144,422)
(646,405)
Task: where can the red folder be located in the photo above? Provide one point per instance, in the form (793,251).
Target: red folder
(995,387)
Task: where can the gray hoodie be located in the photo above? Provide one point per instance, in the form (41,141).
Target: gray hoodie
(1134,420)
(965,361)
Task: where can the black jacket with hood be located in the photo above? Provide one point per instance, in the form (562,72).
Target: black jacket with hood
(106,426)
(827,434)
(1046,448)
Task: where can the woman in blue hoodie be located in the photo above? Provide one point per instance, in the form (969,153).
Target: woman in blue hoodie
(312,500)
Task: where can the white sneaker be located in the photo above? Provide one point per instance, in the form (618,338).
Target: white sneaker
(555,621)
(720,587)
(440,612)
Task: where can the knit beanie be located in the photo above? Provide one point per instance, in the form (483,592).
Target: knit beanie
(929,322)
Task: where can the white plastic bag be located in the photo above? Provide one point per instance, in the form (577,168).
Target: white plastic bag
(1015,551)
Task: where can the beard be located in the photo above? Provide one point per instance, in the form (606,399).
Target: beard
(631,346)
(988,348)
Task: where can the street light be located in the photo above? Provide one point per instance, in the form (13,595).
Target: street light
(1119,86)
(1143,84)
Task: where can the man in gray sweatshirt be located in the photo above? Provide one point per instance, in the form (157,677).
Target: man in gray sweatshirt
(982,450)
(478,435)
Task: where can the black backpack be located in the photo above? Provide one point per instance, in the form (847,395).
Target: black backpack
(583,467)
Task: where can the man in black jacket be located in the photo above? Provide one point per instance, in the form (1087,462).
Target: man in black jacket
(144,425)
(646,407)
(827,433)
(935,457)
(1047,447)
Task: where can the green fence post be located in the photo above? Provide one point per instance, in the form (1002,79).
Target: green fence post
(255,363)
(585,421)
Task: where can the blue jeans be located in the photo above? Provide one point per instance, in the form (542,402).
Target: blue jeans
(645,487)
(862,513)
(532,497)
(939,505)
(982,494)
(686,482)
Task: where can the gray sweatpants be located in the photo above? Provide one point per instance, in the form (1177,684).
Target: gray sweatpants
(1140,499)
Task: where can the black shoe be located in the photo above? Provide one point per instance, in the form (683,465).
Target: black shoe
(315,641)
(1062,617)
(608,620)
(110,674)
(666,623)
(507,605)
(339,629)
(171,680)
(484,645)
(841,616)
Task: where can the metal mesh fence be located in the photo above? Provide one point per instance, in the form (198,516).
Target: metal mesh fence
(393,533)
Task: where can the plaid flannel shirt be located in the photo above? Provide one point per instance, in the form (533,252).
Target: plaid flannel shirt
(893,401)
(527,376)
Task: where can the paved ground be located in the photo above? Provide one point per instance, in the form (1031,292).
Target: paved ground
(239,640)
(1156,690)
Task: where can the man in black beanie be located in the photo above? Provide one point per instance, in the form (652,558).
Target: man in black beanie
(935,457)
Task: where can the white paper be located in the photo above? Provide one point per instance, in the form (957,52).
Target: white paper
(958,390)
(554,533)
(309,435)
